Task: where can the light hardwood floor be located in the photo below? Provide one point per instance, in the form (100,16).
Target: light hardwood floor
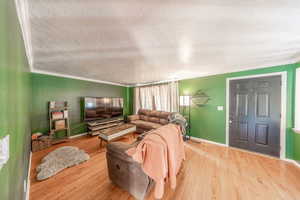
(209,172)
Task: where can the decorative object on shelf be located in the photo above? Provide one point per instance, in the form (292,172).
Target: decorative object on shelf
(66,114)
(200,98)
(185,109)
(39,142)
(52,104)
(60,124)
(35,136)
(57,115)
(59,120)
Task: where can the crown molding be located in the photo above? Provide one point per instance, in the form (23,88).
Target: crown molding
(292,61)
(76,77)
(240,69)
(154,83)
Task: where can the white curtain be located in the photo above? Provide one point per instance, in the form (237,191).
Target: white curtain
(163,97)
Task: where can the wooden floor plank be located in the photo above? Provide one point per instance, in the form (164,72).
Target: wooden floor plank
(209,172)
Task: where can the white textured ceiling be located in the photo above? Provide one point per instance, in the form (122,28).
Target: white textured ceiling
(139,41)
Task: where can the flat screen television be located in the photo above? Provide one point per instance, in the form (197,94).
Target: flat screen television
(98,108)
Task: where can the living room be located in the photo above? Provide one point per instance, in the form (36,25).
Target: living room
(149,100)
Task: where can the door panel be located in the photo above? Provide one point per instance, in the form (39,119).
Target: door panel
(243,131)
(239,116)
(242,105)
(263,104)
(261,134)
(255,114)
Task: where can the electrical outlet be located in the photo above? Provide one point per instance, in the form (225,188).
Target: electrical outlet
(220,108)
(25,185)
(4,150)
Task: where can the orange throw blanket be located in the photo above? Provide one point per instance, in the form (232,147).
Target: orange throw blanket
(160,153)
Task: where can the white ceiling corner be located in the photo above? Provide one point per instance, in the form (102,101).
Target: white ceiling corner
(129,42)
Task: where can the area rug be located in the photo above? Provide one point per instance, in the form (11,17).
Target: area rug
(59,159)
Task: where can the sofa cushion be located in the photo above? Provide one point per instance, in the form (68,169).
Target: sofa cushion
(153,119)
(144,112)
(164,115)
(144,117)
(133,117)
(154,113)
(159,114)
(146,125)
(163,121)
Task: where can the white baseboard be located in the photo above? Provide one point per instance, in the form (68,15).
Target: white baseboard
(28,177)
(293,162)
(207,141)
(78,135)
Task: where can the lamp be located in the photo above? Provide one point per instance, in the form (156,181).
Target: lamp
(200,99)
(185,102)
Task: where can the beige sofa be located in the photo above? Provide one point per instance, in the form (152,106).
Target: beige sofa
(147,120)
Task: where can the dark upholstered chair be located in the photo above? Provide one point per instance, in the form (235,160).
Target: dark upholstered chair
(125,172)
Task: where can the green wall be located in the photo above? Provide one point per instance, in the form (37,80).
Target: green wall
(129,105)
(14,103)
(297,138)
(210,124)
(47,88)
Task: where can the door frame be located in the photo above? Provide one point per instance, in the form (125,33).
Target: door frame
(283,106)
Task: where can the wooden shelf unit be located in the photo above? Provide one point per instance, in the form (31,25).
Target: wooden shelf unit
(59,106)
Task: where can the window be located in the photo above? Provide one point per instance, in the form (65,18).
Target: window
(163,97)
(297,102)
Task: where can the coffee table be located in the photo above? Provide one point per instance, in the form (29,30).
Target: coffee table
(115,132)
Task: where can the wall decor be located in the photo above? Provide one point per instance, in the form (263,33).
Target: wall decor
(200,98)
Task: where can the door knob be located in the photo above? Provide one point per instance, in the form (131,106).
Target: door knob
(230,121)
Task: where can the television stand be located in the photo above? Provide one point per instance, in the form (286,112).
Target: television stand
(94,127)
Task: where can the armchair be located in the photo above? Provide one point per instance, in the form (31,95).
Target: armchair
(125,172)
